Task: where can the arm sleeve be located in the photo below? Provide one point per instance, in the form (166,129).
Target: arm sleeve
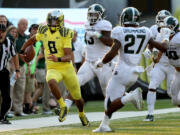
(67,39)
(38,37)
(150,34)
(41,30)
(116,33)
(104,25)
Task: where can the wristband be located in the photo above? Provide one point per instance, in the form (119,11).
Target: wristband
(21,52)
(59,59)
(17,70)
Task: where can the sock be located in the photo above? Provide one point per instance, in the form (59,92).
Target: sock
(81,114)
(105,121)
(68,103)
(61,102)
(151,99)
(126,98)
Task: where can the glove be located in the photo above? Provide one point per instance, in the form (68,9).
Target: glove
(155,53)
(165,33)
(93,34)
(147,53)
(98,63)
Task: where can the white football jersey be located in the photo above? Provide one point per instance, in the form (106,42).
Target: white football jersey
(156,36)
(164,58)
(133,42)
(173,51)
(95,48)
(154,30)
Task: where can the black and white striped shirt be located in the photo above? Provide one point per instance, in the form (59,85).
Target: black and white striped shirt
(7,50)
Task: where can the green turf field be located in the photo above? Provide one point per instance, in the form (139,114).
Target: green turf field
(164,124)
(98,106)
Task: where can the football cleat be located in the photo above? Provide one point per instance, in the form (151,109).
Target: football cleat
(149,118)
(84,120)
(137,98)
(5,121)
(102,128)
(63,113)
(57,111)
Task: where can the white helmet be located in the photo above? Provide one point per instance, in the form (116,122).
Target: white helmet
(161,15)
(95,13)
(172,23)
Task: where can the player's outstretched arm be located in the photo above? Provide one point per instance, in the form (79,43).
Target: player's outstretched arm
(112,53)
(160,46)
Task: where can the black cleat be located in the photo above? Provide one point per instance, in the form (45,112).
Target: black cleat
(149,118)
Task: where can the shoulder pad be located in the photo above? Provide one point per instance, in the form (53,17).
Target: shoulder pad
(42,29)
(66,32)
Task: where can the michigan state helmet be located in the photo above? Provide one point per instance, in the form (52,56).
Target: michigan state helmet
(95,13)
(161,15)
(172,23)
(130,16)
(55,20)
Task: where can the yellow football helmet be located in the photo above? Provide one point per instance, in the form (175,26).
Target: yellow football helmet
(55,20)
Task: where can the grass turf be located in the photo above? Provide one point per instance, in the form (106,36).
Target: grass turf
(165,124)
(98,106)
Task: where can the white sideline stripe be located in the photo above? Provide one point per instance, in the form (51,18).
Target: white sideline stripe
(73,119)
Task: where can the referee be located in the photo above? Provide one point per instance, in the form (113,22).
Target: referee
(7,51)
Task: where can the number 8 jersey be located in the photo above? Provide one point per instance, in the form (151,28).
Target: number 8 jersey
(54,43)
(133,42)
(95,49)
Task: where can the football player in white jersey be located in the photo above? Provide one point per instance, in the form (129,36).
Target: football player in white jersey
(130,40)
(97,31)
(162,69)
(173,54)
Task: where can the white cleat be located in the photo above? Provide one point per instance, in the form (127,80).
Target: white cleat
(137,98)
(102,129)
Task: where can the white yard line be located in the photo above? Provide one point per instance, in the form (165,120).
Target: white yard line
(73,119)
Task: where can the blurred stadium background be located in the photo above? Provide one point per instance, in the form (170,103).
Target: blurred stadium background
(75,15)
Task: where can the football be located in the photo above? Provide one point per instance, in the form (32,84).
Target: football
(30,53)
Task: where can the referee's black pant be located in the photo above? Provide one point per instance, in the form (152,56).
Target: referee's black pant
(5,92)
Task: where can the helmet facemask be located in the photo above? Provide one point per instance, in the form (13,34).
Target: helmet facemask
(160,17)
(95,13)
(55,20)
(93,18)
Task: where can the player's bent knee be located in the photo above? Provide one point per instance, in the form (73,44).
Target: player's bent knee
(52,82)
(76,94)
